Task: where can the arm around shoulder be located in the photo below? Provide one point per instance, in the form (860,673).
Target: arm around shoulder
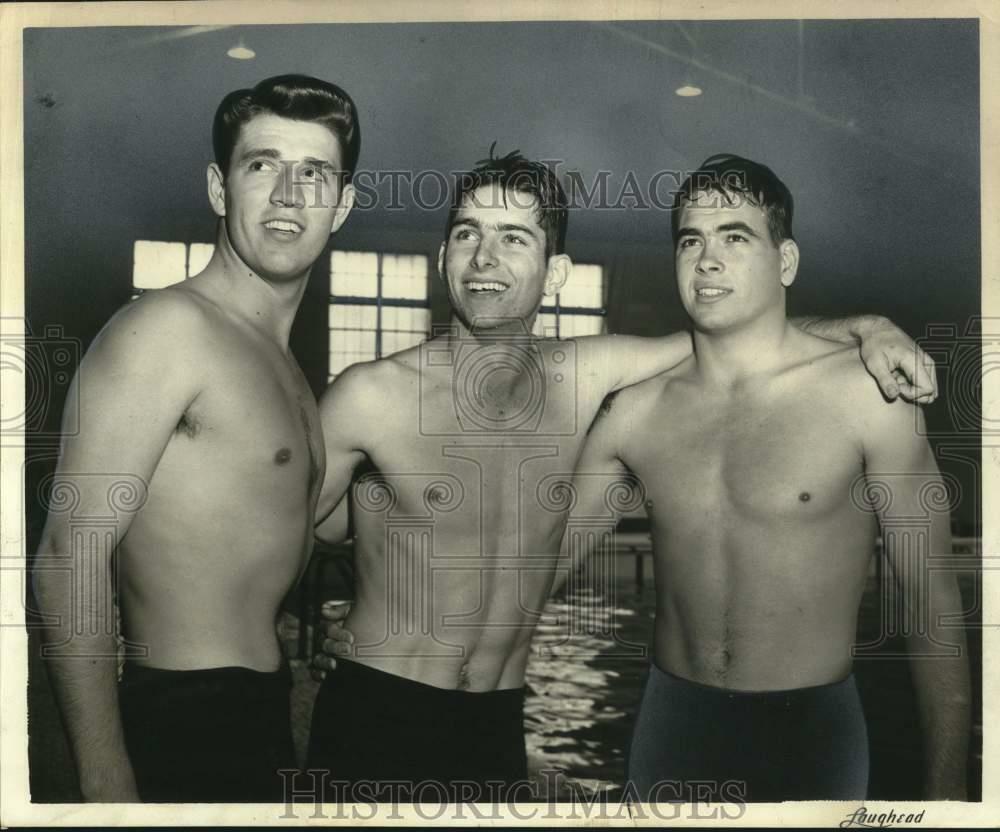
(617,361)
(892,358)
(349,410)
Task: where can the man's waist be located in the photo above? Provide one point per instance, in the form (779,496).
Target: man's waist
(203,639)
(442,662)
(434,676)
(756,667)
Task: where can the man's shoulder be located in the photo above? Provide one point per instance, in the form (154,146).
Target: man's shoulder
(836,373)
(172,305)
(673,380)
(381,372)
(371,384)
(629,402)
(163,322)
(816,360)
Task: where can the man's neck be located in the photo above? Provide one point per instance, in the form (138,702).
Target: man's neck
(267,306)
(727,358)
(504,363)
(511,334)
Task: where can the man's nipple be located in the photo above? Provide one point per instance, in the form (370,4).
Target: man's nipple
(283,456)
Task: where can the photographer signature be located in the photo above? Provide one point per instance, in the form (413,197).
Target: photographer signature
(879,820)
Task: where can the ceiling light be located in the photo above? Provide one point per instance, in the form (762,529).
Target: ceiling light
(241,53)
(688,91)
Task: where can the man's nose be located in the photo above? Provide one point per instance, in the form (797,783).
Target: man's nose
(709,260)
(287,191)
(485,255)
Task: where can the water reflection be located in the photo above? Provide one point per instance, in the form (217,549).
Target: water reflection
(584,685)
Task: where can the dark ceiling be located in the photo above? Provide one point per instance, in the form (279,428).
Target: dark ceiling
(873,124)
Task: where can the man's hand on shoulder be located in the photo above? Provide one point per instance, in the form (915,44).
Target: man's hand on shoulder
(892,358)
(898,364)
(335,640)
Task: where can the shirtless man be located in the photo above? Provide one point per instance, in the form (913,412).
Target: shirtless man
(765,458)
(455,552)
(190,398)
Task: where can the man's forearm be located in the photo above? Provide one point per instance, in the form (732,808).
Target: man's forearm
(86,691)
(848,330)
(945,712)
(81,657)
(944,701)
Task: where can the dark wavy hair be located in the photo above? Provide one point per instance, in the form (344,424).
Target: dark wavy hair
(296,97)
(729,175)
(516,173)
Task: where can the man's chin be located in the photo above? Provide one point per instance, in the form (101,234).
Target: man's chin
(712,324)
(484,325)
(283,271)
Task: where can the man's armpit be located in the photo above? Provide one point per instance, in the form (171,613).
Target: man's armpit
(604,409)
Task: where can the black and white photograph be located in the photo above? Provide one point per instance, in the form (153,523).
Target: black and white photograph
(447,414)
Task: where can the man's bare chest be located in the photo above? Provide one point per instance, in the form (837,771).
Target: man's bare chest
(254,416)
(791,458)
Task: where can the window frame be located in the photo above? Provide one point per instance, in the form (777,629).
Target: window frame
(378,302)
(557,309)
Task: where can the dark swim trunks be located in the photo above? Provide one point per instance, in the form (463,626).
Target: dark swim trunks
(802,744)
(383,737)
(207,736)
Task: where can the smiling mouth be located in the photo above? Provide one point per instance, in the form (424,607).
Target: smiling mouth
(485,287)
(284,226)
(712,292)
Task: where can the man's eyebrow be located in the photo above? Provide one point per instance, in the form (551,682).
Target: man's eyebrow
(505,226)
(726,226)
(513,226)
(737,226)
(272,153)
(319,163)
(259,152)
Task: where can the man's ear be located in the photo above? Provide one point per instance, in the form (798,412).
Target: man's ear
(216,189)
(557,273)
(789,262)
(441,253)
(344,205)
